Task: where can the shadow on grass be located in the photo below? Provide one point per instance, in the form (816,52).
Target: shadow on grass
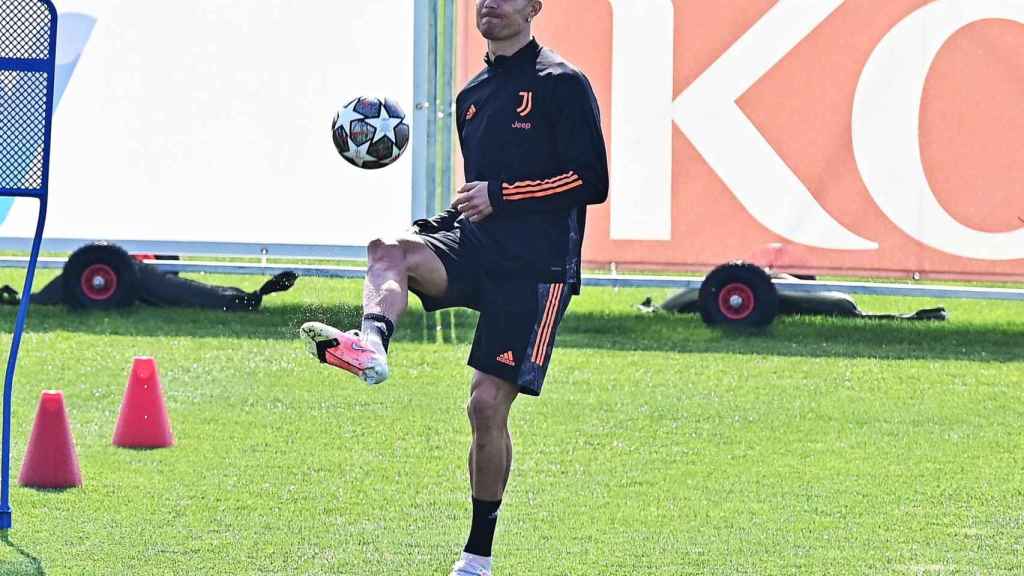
(48,490)
(620,330)
(25,565)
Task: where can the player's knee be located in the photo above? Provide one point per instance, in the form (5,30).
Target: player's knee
(486,414)
(385,252)
(413,252)
(488,407)
(424,269)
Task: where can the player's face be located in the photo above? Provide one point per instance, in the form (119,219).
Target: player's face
(504,19)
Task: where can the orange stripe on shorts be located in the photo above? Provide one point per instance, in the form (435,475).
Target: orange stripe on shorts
(554,304)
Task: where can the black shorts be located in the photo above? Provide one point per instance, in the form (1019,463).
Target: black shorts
(519,316)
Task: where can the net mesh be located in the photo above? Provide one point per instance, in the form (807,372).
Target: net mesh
(24,35)
(24,29)
(22,129)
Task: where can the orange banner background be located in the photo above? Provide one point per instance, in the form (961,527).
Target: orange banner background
(970,131)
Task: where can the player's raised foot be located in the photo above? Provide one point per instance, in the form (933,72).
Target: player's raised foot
(345,350)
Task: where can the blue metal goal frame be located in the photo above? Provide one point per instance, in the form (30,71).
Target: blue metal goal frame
(19,64)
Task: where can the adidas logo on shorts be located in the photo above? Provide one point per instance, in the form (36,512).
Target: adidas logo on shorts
(507,359)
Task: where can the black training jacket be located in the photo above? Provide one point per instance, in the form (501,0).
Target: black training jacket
(530,127)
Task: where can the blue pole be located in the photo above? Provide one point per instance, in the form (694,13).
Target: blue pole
(12,361)
(46,65)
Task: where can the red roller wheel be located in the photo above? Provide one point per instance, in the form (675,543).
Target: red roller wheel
(99,282)
(100,276)
(736,301)
(738,294)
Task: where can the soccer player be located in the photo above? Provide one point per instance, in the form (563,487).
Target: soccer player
(508,247)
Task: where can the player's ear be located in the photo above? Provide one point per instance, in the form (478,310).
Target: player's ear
(535,7)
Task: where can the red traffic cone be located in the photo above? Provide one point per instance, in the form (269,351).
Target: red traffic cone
(50,460)
(143,422)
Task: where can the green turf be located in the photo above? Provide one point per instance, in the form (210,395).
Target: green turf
(659,446)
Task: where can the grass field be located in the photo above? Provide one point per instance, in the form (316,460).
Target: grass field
(816,447)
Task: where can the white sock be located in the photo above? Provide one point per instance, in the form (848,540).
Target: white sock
(483,562)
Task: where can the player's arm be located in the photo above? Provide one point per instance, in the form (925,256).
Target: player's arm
(583,177)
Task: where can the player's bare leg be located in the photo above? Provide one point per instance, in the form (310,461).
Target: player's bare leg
(490,455)
(490,461)
(392,266)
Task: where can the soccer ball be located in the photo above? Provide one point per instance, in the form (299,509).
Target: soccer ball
(370,133)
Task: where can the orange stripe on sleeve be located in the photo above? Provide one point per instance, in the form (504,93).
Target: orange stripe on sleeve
(541,188)
(528,183)
(548,192)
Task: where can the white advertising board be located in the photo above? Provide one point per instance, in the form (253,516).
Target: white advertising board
(207,121)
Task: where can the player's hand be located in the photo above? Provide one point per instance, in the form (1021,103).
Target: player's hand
(472,201)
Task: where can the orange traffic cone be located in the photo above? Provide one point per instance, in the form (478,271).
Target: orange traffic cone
(143,422)
(50,460)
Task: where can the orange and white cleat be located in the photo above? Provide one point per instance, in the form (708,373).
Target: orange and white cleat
(345,350)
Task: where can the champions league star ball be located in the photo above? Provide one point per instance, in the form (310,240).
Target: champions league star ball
(370,133)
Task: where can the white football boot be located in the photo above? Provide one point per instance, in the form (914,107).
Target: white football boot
(470,565)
